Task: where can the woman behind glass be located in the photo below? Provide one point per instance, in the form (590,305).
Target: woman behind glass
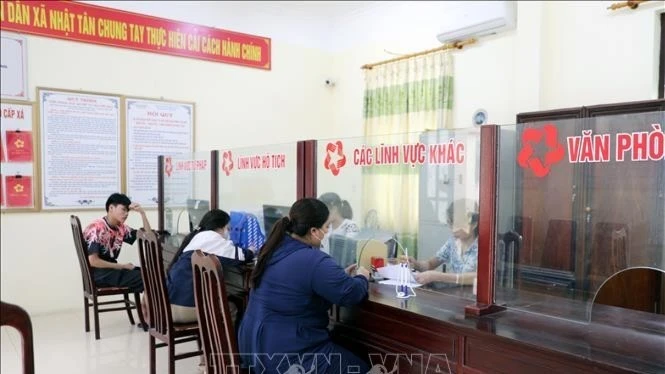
(459,253)
(340,222)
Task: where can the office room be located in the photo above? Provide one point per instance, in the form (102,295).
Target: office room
(250,106)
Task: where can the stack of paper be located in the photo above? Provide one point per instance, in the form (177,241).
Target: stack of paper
(391,274)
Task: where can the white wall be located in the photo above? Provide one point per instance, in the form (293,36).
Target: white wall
(596,56)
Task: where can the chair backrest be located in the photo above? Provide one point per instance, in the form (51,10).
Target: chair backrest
(17,317)
(154,282)
(220,348)
(81,246)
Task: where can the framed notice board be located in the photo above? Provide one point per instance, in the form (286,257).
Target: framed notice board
(19,157)
(81,148)
(154,128)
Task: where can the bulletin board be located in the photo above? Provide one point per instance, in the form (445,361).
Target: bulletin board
(14,72)
(81,148)
(94,144)
(153,128)
(19,155)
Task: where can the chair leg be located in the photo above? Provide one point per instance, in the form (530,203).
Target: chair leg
(153,369)
(129,309)
(95,310)
(171,358)
(139,311)
(86,310)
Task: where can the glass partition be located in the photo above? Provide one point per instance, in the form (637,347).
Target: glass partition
(186,193)
(398,194)
(581,216)
(260,181)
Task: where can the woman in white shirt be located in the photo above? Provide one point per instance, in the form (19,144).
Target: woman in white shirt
(211,237)
(339,222)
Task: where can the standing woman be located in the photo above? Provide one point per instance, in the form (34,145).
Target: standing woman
(294,285)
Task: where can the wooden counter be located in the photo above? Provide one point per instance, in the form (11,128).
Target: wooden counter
(506,342)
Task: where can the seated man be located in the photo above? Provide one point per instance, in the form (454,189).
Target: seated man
(105,237)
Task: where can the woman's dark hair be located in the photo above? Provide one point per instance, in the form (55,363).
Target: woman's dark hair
(213,220)
(304,215)
(332,200)
(473,216)
(346,210)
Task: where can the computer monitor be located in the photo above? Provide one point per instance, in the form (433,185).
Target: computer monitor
(196,209)
(272,214)
(343,250)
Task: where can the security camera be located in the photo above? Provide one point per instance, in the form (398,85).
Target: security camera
(330,83)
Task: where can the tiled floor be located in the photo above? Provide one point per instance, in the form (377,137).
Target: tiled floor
(63,346)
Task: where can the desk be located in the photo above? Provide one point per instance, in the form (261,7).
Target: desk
(433,326)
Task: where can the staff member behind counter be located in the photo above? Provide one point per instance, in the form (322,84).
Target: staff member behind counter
(340,222)
(459,253)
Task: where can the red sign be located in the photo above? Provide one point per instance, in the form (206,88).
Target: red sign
(19,191)
(555,152)
(227,163)
(19,146)
(99,25)
(335,157)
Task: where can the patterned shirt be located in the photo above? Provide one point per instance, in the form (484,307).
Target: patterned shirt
(107,241)
(455,263)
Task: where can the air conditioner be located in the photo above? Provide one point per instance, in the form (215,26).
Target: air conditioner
(475,19)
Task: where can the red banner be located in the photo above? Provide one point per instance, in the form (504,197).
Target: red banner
(99,25)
